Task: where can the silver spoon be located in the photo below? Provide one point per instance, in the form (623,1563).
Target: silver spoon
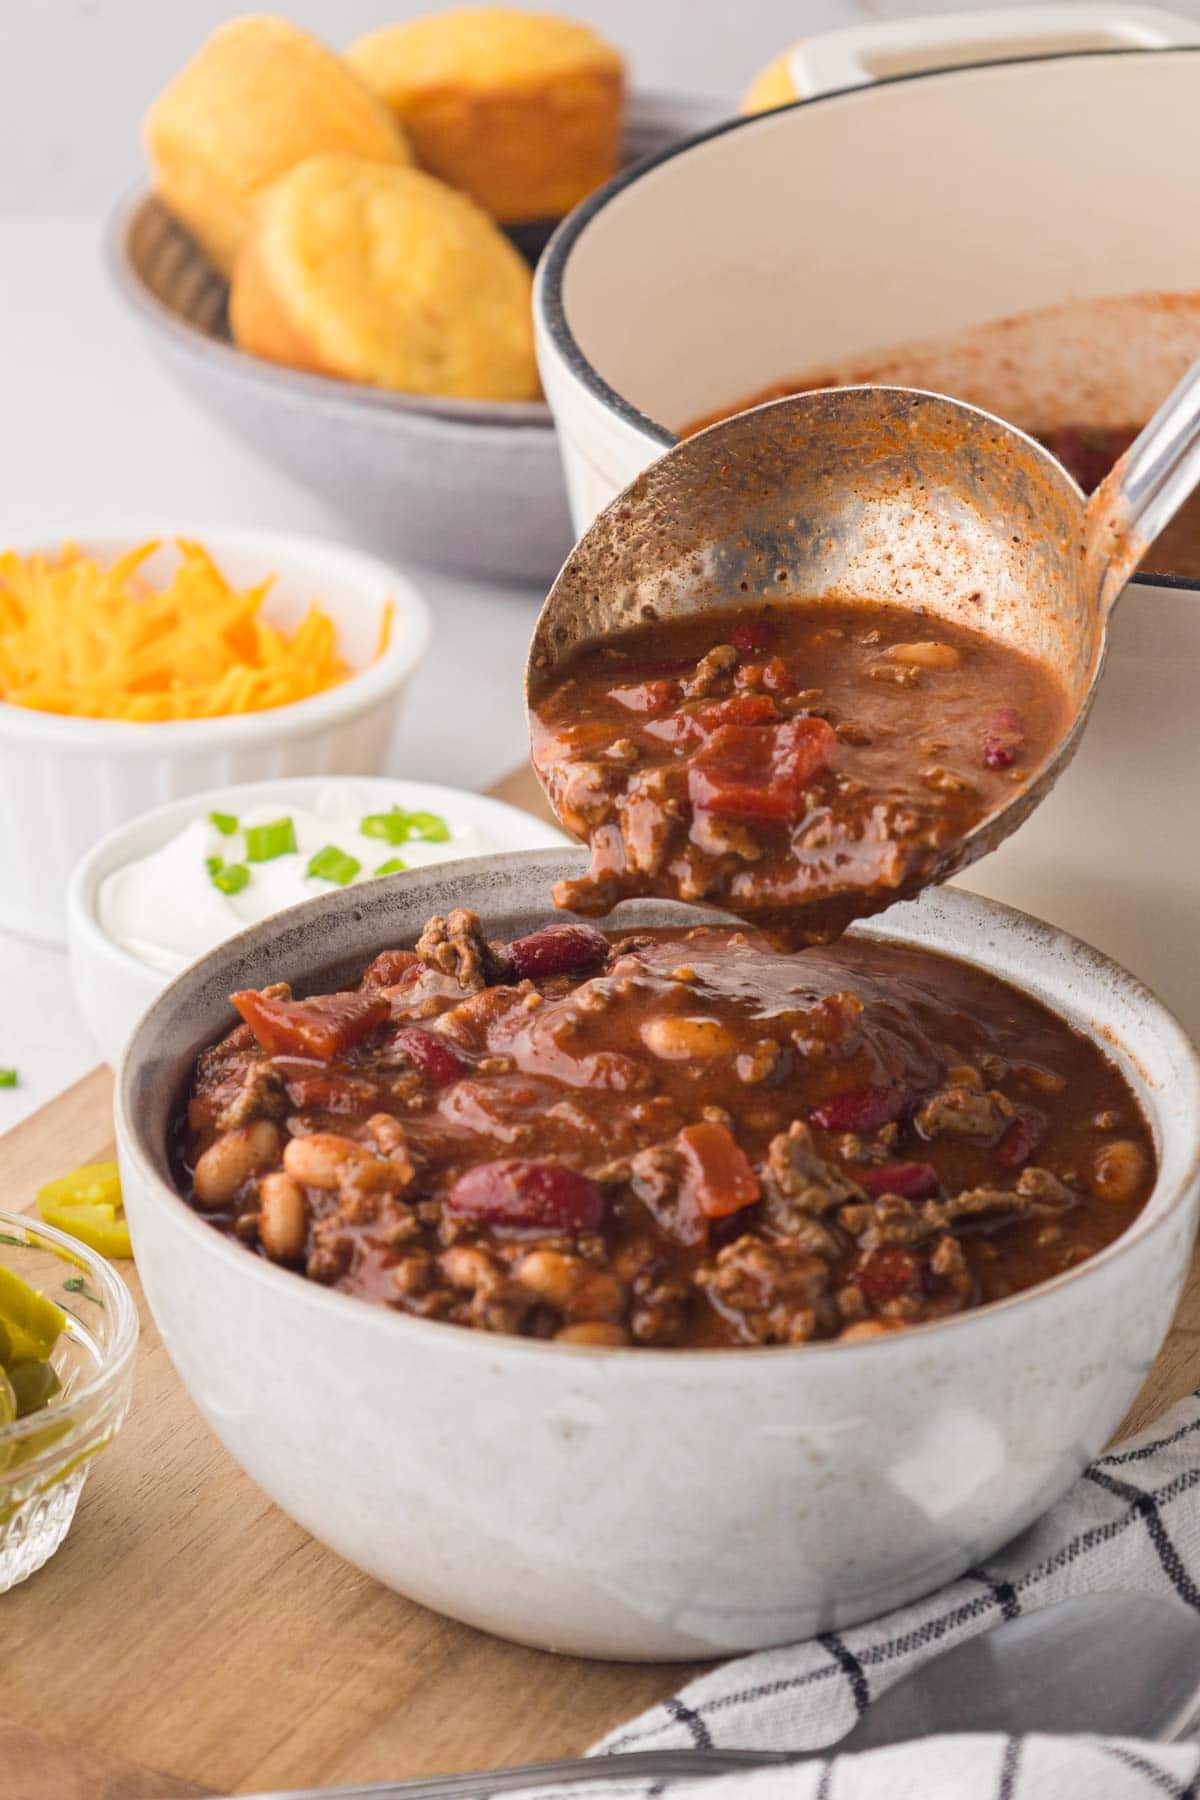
(1126,1664)
(884,494)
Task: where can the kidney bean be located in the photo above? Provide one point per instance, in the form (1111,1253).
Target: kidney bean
(517,1194)
(864,1109)
(1021,1138)
(910,1180)
(557,950)
(754,635)
(323,1027)
(1004,738)
(887,1274)
(717,1177)
(430,1054)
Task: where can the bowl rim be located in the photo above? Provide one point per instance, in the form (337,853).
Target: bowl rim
(116,1358)
(1086,962)
(95,865)
(363,687)
(549,277)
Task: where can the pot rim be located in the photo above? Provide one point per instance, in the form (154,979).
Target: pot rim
(135,1132)
(551,270)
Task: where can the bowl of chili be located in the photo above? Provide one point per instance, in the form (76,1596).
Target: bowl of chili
(610,1498)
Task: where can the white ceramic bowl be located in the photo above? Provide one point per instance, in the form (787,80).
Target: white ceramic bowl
(652,1503)
(924,200)
(65,782)
(114,987)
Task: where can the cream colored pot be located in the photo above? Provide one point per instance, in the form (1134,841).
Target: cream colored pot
(886,226)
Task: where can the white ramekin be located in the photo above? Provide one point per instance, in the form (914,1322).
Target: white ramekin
(113,987)
(65,782)
(653,1503)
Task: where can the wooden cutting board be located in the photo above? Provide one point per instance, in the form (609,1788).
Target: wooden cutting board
(189,1639)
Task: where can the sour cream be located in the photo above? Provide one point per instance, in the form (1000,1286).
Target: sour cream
(167,909)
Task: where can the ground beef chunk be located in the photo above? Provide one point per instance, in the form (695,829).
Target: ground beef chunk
(455,946)
(262,1094)
(798,1184)
(964,1109)
(774,1293)
(891,1221)
(711,671)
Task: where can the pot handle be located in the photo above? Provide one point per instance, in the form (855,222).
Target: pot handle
(864,54)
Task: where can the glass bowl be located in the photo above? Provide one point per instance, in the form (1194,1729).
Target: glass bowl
(45,1458)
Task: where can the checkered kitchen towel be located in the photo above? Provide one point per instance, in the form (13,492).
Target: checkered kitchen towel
(1132,1520)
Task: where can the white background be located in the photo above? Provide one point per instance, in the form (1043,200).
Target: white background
(92,433)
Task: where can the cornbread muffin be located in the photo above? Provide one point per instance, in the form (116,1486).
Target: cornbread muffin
(255,100)
(520,110)
(386,276)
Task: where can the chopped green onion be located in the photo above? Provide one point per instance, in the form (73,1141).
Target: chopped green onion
(214,864)
(231,879)
(332,864)
(395,865)
(397,826)
(429,826)
(265,842)
(392,826)
(8,1078)
(225,823)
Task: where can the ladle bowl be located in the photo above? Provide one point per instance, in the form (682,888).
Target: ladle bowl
(889,495)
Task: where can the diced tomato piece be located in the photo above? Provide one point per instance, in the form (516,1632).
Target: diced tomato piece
(645,696)
(390,968)
(430,1054)
(717,1177)
(516,1194)
(909,1180)
(754,635)
(557,950)
(761,771)
(320,1090)
(323,1027)
(696,724)
(887,1274)
(1021,1137)
(1004,738)
(864,1109)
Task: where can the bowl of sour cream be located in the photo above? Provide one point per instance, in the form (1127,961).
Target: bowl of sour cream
(170,886)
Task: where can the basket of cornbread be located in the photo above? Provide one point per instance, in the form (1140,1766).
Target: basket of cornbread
(336,257)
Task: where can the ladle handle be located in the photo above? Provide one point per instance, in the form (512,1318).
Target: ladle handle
(1143,492)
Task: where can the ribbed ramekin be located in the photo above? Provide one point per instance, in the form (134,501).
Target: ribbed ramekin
(66,782)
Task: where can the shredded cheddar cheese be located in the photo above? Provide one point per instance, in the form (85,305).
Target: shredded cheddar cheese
(102,643)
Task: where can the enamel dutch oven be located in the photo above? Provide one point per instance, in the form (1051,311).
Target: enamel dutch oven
(1049,174)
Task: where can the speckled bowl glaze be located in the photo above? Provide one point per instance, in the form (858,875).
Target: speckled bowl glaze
(653,1503)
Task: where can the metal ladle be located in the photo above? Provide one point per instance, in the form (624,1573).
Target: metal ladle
(885,494)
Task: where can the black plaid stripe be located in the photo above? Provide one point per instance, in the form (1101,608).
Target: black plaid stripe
(1008,1770)
(1159,1779)
(693,1721)
(1003,1592)
(930,1631)
(1148,1506)
(1117,1458)
(851,1668)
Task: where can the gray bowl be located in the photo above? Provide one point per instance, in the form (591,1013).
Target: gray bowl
(471,486)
